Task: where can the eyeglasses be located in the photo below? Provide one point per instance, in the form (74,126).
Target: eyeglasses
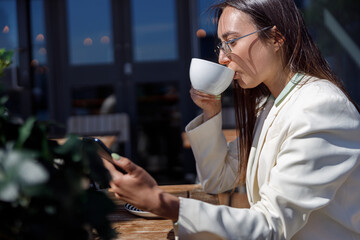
(225,45)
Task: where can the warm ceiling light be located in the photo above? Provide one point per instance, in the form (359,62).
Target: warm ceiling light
(42,51)
(34,63)
(201,33)
(6,29)
(40,37)
(88,41)
(105,40)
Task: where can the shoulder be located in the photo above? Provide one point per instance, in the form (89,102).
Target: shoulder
(318,104)
(321,96)
(319,89)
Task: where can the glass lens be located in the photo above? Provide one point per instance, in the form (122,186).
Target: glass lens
(217,49)
(226,48)
(223,46)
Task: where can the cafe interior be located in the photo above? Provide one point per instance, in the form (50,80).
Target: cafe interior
(120,68)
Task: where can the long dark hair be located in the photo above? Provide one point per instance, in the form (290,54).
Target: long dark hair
(299,54)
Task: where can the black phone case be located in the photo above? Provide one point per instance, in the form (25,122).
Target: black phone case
(104,152)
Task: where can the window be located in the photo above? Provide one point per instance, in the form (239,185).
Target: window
(8,26)
(154,30)
(334,26)
(90,32)
(39,60)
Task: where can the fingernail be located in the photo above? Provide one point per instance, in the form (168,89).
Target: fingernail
(115,156)
(218,97)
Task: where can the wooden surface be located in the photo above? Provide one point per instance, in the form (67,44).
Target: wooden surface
(129,226)
(230,135)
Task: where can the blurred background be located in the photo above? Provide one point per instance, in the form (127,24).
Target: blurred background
(76,60)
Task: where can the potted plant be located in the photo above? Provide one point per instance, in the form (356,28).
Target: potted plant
(45,190)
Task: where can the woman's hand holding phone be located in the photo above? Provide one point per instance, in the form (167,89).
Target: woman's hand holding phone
(134,185)
(140,189)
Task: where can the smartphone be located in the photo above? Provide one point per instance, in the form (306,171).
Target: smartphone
(103,151)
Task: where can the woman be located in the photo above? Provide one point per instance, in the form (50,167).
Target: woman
(298,150)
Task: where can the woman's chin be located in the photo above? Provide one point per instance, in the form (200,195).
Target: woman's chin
(242,84)
(246,84)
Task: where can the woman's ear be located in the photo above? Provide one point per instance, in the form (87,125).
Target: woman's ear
(278,39)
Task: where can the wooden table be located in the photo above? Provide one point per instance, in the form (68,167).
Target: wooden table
(129,226)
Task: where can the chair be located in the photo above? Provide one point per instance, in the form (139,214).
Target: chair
(102,125)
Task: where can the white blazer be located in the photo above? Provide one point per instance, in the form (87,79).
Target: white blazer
(303,174)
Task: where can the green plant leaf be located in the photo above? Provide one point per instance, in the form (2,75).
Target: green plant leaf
(96,217)
(46,185)
(4,99)
(9,191)
(32,173)
(24,132)
(71,143)
(5,59)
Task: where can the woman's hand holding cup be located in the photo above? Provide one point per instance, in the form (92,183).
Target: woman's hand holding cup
(210,104)
(208,81)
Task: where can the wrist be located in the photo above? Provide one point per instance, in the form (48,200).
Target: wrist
(167,206)
(209,114)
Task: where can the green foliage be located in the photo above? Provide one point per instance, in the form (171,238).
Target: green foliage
(45,190)
(5,59)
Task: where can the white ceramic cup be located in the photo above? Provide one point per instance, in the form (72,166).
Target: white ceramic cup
(210,77)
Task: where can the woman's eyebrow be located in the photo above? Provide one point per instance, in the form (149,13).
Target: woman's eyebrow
(227,34)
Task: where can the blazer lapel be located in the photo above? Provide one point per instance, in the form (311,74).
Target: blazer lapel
(262,138)
(266,120)
(261,123)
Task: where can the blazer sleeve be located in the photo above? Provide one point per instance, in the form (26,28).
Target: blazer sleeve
(216,160)
(319,152)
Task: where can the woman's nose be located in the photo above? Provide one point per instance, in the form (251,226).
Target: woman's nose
(223,58)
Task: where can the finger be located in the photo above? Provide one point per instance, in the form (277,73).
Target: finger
(111,168)
(201,96)
(115,156)
(204,96)
(210,99)
(115,189)
(199,93)
(118,192)
(126,164)
(115,186)
(117,195)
